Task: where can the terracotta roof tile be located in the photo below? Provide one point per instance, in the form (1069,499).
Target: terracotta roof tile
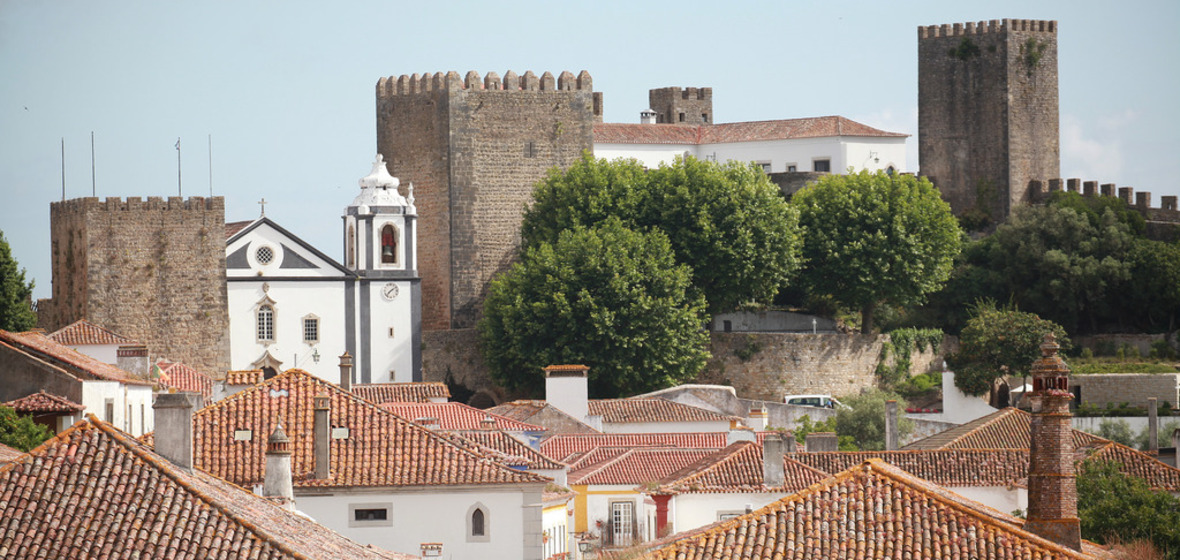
(873,510)
(1135,463)
(520,410)
(617,411)
(634,465)
(76,363)
(421,391)
(176,375)
(738,468)
(785,129)
(381,448)
(243,377)
(110,497)
(8,454)
(945,467)
(508,449)
(83,332)
(1004,429)
(42,402)
(562,446)
(456,416)
(232,228)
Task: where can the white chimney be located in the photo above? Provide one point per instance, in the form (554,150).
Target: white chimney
(277,485)
(772,461)
(174,426)
(757,419)
(647,117)
(740,433)
(892,438)
(566,389)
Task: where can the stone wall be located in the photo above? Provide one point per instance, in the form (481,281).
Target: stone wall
(766,366)
(791,182)
(150,270)
(1132,388)
(474,147)
(453,357)
(1102,343)
(987,111)
(695,104)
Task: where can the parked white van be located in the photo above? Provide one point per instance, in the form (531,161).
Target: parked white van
(818,401)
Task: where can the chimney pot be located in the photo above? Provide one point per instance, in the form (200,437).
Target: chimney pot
(772,461)
(277,484)
(174,426)
(566,389)
(346,371)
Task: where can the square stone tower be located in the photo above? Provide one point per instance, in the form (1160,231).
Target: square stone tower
(673,105)
(473,148)
(987,112)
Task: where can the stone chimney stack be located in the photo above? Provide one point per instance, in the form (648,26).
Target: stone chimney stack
(816,442)
(1052,483)
(174,426)
(346,371)
(277,485)
(133,358)
(891,431)
(1153,425)
(772,461)
(566,389)
(322,442)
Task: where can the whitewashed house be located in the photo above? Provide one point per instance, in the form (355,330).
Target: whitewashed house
(291,305)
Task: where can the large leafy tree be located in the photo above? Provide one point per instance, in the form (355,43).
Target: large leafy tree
(1114,507)
(873,238)
(20,431)
(15,293)
(1154,297)
(998,342)
(727,222)
(605,296)
(864,419)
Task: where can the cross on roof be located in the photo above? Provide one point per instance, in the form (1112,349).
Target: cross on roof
(262,203)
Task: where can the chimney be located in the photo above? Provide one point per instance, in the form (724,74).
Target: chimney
(816,442)
(488,423)
(321,445)
(1153,426)
(428,422)
(174,426)
(772,461)
(891,432)
(277,485)
(346,371)
(1052,483)
(739,433)
(565,389)
(757,419)
(647,117)
(133,359)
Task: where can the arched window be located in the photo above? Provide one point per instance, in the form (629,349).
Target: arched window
(477,523)
(388,245)
(266,324)
(350,247)
(478,527)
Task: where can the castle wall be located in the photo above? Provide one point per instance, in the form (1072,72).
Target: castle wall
(987,111)
(152,271)
(474,148)
(777,364)
(695,104)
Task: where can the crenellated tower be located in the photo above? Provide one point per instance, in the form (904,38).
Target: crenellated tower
(1052,483)
(988,112)
(674,105)
(474,147)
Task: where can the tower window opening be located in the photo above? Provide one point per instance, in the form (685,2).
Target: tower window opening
(388,245)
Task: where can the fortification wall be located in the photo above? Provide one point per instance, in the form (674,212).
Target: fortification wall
(474,147)
(1133,388)
(987,111)
(1163,223)
(682,106)
(766,366)
(151,270)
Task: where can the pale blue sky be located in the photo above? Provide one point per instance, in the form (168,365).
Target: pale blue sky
(286,89)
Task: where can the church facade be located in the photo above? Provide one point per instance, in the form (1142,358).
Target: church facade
(291,305)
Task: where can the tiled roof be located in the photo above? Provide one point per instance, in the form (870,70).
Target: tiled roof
(83,332)
(520,410)
(456,416)
(1004,429)
(634,465)
(44,403)
(814,127)
(232,228)
(510,450)
(381,449)
(543,414)
(873,510)
(1157,474)
(8,454)
(110,497)
(618,411)
(738,468)
(945,467)
(74,362)
(243,377)
(561,446)
(421,391)
(178,376)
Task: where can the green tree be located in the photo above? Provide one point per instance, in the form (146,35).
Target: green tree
(607,297)
(727,222)
(998,342)
(1116,430)
(1154,296)
(872,238)
(19,431)
(15,294)
(1115,507)
(864,419)
(807,426)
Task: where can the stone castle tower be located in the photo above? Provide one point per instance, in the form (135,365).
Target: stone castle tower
(682,106)
(1052,483)
(987,111)
(473,148)
(152,271)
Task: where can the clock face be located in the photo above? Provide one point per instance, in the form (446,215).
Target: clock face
(389,290)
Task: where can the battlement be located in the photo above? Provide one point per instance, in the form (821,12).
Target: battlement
(1166,213)
(982,27)
(450,81)
(685,93)
(137,204)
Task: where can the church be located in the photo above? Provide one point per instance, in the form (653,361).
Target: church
(290,305)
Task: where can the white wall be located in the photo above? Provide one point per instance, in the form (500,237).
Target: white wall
(664,427)
(557,521)
(872,153)
(293,300)
(1001,498)
(650,155)
(436,515)
(389,354)
(957,407)
(692,510)
(139,397)
(105,353)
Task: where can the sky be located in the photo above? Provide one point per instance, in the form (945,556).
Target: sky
(276,100)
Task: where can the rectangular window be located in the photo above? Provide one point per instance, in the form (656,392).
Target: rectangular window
(374,514)
(266,323)
(109,412)
(681,117)
(765,165)
(311,330)
(792,168)
(824,165)
(704,117)
(370,515)
(622,518)
(530,150)
(128,419)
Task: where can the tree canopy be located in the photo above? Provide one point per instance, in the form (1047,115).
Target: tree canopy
(15,293)
(727,222)
(1114,507)
(864,419)
(19,431)
(873,238)
(606,297)
(998,342)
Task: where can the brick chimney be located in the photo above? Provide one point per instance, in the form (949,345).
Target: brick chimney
(1052,483)
(277,485)
(320,431)
(174,426)
(772,461)
(566,389)
(346,371)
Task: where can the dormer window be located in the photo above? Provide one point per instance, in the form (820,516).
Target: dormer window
(388,245)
